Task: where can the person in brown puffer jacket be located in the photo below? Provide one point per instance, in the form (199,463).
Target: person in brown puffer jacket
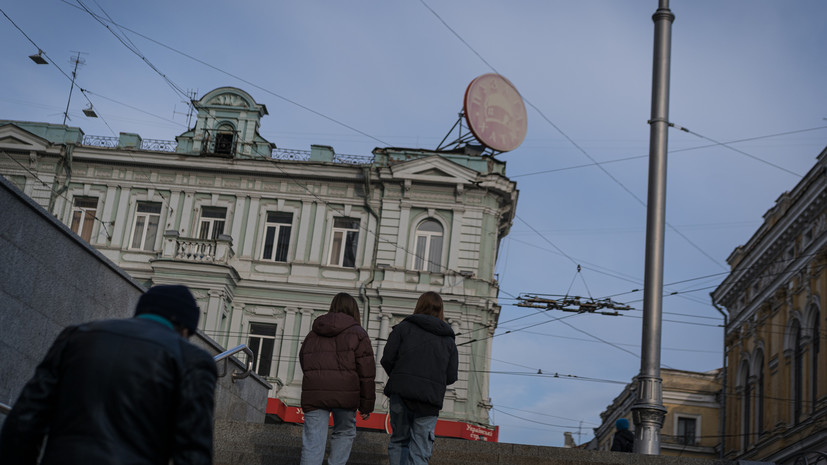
(339,371)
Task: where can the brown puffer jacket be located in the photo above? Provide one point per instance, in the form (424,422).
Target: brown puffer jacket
(338,365)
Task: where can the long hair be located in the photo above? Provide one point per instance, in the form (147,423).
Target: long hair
(345,303)
(430,303)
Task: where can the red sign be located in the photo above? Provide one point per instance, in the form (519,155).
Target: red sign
(381,421)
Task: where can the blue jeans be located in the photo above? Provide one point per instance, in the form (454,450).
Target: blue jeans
(412,440)
(314,436)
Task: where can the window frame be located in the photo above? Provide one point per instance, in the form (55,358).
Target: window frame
(211,222)
(279,233)
(349,239)
(81,221)
(422,261)
(146,216)
(257,348)
(681,438)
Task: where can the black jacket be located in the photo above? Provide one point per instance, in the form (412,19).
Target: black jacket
(128,391)
(421,359)
(338,365)
(623,441)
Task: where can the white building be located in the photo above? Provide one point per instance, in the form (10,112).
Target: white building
(265,237)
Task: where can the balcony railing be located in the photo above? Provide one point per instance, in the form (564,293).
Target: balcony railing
(213,251)
(158,145)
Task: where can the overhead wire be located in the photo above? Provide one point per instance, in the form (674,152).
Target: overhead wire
(673,151)
(132,48)
(574,143)
(239,78)
(53,63)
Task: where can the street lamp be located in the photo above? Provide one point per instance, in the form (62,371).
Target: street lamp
(89,112)
(38,58)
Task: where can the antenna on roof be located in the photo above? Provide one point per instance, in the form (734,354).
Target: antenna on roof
(191,95)
(76,60)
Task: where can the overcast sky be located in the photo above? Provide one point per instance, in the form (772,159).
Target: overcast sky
(357,75)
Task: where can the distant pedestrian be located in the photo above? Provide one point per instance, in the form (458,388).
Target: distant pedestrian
(421,360)
(120,391)
(339,370)
(624,440)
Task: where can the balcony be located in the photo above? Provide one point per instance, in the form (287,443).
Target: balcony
(189,249)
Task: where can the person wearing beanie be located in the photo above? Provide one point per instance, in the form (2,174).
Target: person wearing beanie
(624,440)
(131,390)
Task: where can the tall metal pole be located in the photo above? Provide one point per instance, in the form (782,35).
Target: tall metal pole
(648,411)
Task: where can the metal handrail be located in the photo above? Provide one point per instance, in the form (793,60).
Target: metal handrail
(227,353)
(4,409)
(802,459)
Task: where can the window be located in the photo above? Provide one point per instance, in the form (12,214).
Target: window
(224,139)
(759,394)
(145,229)
(797,375)
(428,251)
(277,236)
(261,341)
(746,404)
(212,222)
(83,216)
(814,364)
(687,426)
(343,242)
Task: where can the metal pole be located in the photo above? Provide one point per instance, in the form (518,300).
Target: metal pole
(648,411)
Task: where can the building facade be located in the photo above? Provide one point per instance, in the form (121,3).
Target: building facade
(691,427)
(265,237)
(776,383)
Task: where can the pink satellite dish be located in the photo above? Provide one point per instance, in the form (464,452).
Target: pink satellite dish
(495,112)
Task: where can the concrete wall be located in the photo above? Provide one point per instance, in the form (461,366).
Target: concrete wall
(50,278)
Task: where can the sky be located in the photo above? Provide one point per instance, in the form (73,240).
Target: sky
(747,82)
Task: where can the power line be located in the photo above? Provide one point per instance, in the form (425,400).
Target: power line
(132,48)
(673,151)
(575,144)
(234,76)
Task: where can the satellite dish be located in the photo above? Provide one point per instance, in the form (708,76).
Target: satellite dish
(495,112)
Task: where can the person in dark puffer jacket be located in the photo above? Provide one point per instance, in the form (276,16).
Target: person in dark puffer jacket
(421,360)
(339,371)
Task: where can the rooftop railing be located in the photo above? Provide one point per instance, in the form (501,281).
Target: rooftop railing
(158,145)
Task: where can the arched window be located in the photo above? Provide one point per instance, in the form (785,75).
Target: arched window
(816,336)
(797,368)
(428,246)
(746,404)
(759,391)
(224,139)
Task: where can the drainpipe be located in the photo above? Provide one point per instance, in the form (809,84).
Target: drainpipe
(722,422)
(66,165)
(363,294)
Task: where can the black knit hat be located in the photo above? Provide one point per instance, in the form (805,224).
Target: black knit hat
(173,302)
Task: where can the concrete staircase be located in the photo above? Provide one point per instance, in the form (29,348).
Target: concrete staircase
(239,443)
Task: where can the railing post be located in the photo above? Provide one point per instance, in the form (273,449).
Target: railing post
(170,243)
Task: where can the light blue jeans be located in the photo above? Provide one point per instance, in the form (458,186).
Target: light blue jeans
(314,436)
(412,440)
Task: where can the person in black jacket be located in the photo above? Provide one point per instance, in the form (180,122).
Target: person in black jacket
(120,391)
(624,440)
(421,360)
